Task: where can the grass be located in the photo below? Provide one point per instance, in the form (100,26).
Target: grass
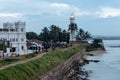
(11,60)
(38,67)
(89,48)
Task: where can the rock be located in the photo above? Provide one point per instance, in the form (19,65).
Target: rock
(90,54)
(96,61)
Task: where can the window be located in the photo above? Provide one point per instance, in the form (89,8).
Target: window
(22,39)
(13,39)
(22,47)
(22,30)
(16,39)
(16,29)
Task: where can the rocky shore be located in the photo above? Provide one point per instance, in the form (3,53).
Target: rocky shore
(78,72)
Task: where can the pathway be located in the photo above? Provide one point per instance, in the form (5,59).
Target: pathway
(24,61)
(27,60)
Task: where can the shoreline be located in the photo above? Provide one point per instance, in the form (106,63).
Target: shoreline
(97,52)
(79,72)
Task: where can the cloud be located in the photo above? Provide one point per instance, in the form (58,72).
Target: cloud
(41,8)
(52,9)
(59,5)
(13,15)
(56,9)
(108,12)
(60,9)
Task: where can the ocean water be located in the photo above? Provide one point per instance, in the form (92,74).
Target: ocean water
(109,66)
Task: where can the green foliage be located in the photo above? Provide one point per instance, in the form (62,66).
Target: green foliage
(54,33)
(90,48)
(45,35)
(52,36)
(11,60)
(97,43)
(83,35)
(38,67)
(65,36)
(31,35)
(3,46)
(72,26)
(46,45)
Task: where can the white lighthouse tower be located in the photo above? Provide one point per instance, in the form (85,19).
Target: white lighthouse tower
(72,28)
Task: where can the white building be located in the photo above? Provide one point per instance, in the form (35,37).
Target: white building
(72,28)
(15,34)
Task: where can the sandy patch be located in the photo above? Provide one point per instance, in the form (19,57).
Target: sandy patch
(97,52)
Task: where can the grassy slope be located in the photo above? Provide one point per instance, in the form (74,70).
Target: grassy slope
(38,67)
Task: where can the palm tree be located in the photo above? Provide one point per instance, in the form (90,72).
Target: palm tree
(83,35)
(97,43)
(45,37)
(87,35)
(65,36)
(72,27)
(55,33)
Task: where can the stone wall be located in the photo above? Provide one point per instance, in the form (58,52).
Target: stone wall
(62,71)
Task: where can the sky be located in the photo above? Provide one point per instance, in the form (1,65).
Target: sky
(99,17)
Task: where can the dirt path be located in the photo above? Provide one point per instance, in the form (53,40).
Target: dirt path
(21,62)
(27,60)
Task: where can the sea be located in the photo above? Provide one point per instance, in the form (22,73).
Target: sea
(109,66)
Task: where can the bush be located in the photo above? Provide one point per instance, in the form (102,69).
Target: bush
(90,48)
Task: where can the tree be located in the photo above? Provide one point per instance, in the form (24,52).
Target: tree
(55,33)
(3,47)
(65,36)
(87,35)
(72,27)
(97,43)
(83,35)
(31,35)
(46,45)
(44,35)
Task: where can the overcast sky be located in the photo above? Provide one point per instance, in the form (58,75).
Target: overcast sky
(100,17)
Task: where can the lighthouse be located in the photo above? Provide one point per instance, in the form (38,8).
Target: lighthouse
(72,28)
